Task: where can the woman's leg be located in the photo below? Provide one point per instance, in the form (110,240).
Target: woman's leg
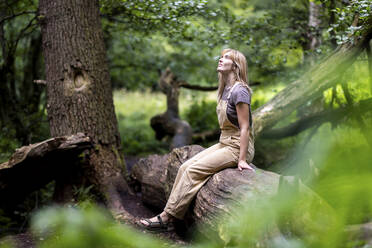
(165,217)
(195,175)
(191,161)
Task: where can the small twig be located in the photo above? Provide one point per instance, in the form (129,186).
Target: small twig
(15,15)
(40,82)
(23,31)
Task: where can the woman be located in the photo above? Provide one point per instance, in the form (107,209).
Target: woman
(235,147)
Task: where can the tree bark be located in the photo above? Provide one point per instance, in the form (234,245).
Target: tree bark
(157,173)
(32,167)
(79,90)
(169,123)
(332,20)
(224,191)
(314,32)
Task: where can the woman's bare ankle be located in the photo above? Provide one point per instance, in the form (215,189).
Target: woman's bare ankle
(166,217)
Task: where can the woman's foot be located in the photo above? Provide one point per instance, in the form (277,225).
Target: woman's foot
(161,222)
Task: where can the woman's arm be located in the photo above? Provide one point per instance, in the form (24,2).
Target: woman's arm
(242,110)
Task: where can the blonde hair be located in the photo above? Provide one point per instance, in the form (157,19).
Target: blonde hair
(240,71)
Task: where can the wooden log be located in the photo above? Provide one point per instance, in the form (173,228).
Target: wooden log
(33,166)
(361,233)
(156,174)
(226,190)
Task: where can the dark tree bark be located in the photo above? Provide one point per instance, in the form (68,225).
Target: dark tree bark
(169,123)
(224,190)
(332,20)
(33,166)
(79,91)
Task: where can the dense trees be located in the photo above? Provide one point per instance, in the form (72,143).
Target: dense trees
(20,64)
(281,39)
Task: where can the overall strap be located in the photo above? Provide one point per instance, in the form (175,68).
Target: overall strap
(232,88)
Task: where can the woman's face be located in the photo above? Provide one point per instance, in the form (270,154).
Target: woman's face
(225,64)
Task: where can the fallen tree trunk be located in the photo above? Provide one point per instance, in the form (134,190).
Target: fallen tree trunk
(31,167)
(328,115)
(361,233)
(307,88)
(157,173)
(221,194)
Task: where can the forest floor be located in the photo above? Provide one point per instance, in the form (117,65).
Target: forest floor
(134,206)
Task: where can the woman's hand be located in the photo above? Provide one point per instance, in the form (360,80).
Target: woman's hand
(244,165)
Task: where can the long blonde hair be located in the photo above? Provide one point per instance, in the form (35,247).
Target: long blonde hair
(240,71)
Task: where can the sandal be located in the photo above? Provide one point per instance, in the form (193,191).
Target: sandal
(158,225)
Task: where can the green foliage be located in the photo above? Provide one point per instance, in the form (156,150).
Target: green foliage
(147,16)
(272,41)
(201,115)
(89,227)
(134,116)
(304,220)
(343,29)
(83,194)
(9,141)
(20,63)
(184,35)
(7,244)
(6,223)
(290,219)
(8,144)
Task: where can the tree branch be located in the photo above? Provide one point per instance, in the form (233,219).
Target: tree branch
(318,118)
(186,85)
(16,15)
(311,84)
(206,135)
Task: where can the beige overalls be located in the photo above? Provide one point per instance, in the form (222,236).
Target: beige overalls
(197,170)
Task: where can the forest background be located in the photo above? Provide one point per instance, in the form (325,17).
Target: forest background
(282,40)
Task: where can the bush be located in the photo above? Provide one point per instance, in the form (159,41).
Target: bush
(202,116)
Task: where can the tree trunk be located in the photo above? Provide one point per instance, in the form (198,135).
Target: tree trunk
(314,32)
(332,20)
(79,91)
(224,190)
(32,167)
(169,123)
(157,173)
